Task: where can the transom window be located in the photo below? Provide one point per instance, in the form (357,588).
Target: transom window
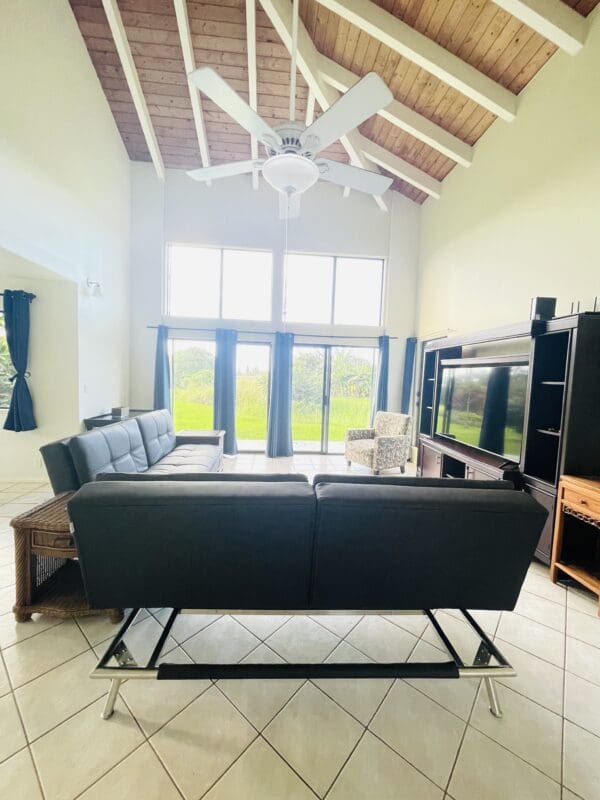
(333,290)
(215,283)
(6,369)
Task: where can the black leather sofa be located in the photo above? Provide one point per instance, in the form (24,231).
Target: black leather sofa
(143,445)
(262,544)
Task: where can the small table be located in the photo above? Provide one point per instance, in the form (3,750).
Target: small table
(576,547)
(204,437)
(48,577)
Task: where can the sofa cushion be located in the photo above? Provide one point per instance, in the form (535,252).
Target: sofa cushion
(266,477)
(379,546)
(114,448)
(412,480)
(157,432)
(200,544)
(189,458)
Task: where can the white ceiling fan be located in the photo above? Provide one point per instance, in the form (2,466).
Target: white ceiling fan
(292,166)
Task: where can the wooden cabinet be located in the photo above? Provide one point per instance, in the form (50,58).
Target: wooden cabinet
(430,461)
(576,548)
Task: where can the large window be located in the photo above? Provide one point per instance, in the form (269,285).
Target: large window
(214,283)
(253,363)
(6,369)
(333,291)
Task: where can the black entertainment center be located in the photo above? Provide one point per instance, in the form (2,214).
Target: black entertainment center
(518,403)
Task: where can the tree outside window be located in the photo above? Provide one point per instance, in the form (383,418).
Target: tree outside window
(6,368)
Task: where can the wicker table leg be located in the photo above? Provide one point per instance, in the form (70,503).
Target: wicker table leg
(22,578)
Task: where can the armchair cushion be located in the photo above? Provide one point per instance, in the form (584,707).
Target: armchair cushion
(359,433)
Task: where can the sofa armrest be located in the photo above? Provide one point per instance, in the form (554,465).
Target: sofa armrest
(210,437)
(360,433)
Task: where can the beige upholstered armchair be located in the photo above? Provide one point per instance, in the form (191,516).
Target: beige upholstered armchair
(384,446)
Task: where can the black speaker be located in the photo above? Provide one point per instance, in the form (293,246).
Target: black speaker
(543,308)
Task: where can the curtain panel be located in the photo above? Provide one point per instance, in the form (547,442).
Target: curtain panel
(279,436)
(20,415)
(408,372)
(162,370)
(224,399)
(381,394)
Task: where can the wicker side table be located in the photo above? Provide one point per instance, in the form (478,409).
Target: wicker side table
(48,577)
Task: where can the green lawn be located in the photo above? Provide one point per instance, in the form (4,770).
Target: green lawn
(346,412)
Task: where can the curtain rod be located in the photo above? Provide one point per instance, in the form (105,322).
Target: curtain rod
(271,333)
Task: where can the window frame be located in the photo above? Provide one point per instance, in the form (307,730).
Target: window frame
(221,250)
(335,258)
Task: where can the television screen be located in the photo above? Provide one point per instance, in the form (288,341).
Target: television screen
(484,406)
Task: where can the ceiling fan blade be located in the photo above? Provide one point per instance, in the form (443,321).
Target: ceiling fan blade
(224,170)
(289,205)
(363,180)
(220,92)
(365,98)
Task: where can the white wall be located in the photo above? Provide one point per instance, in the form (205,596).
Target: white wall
(232,214)
(524,219)
(52,363)
(64,176)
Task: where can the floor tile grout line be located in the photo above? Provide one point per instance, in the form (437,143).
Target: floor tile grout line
(295,771)
(498,638)
(564,707)
(21,720)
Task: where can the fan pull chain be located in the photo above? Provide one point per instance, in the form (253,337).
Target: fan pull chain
(293,67)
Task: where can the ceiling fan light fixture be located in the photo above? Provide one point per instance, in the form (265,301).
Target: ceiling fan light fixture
(290,173)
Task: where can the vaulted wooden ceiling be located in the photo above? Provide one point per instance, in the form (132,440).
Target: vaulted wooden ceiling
(417,153)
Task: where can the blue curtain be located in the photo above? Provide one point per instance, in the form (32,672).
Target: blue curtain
(381,394)
(224,402)
(16,320)
(407,377)
(279,437)
(162,370)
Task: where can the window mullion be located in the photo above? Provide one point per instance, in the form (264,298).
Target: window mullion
(333,283)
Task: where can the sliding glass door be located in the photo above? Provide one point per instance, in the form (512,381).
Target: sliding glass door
(350,394)
(308,391)
(252,395)
(193,384)
(332,391)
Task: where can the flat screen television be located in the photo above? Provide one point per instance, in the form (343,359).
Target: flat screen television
(484,406)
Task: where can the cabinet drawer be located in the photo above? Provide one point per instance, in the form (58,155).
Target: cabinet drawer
(582,502)
(52,540)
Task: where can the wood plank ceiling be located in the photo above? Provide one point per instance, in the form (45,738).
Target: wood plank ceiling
(477,31)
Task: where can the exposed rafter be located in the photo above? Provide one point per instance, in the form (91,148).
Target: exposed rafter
(427,54)
(553,19)
(402,116)
(113,15)
(280,14)
(189,61)
(252,76)
(397,166)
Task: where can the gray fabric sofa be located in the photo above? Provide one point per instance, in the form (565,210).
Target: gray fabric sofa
(144,445)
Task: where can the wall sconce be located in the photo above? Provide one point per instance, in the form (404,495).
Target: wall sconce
(92,288)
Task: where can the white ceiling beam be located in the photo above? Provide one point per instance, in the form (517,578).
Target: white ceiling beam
(427,54)
(252,76)
(552,19)
(117,29)
(189,61)
(402,116)
(280,14)
(310,108)
(398,166)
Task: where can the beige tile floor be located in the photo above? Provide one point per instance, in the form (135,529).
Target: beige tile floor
(296,739)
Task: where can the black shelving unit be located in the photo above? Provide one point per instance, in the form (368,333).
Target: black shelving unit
(561,434)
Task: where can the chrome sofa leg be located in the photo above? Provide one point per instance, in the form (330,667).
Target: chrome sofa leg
(113,693)
(495,706)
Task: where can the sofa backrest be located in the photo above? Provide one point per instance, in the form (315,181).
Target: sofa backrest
(265,477)
(390,423)
(411,480)
(227,544)
(114,448)
(389,547)
(157,433)
(258,545)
